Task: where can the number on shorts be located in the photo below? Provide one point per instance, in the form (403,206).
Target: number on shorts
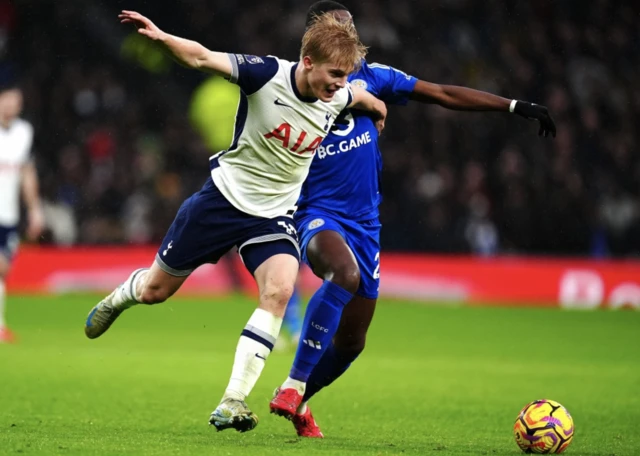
(291,230)
(376,272)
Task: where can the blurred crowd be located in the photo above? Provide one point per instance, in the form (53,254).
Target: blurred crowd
(117,153)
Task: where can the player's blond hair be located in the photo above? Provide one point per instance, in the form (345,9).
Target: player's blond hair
(329,40)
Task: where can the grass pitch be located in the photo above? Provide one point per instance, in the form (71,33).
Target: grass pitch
(433,380)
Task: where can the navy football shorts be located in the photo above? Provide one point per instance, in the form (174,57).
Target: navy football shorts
(9,241)
(207,226)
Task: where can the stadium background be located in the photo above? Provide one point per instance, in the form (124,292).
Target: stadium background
(477,209)
(123,134)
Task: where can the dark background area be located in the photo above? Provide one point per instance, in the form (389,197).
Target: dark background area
(116,152)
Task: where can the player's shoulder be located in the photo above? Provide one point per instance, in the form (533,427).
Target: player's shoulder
(371,76)
(253,72)
(22,126)
(381,70)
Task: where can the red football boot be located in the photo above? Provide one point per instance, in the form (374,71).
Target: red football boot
(305,425)
(285,402)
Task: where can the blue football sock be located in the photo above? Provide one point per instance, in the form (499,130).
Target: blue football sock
(331,366)
(320,324)
(292,321)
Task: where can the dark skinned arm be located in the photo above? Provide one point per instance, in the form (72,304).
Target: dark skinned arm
(465,99)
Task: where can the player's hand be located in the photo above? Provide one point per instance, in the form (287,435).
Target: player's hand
(381,115)
(538,112)
(144,25)
(35,225)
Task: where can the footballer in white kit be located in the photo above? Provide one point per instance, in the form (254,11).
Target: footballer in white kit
(17,172)
(248,201)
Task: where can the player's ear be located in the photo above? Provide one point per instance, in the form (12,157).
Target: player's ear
(307,63)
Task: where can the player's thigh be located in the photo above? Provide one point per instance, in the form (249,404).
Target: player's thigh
(206,226)
(354,324)
(329,256)
(276,277)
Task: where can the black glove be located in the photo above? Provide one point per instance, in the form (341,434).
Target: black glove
(540,113)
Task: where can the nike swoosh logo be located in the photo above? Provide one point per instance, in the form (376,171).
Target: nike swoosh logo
(279,103)
(261,357)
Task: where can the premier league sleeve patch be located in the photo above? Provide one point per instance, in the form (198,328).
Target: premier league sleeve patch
(253,59)
(316,223)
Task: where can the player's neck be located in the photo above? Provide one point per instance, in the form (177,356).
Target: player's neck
(302,83)
(5,122)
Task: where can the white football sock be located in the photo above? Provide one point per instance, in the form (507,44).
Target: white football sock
(254,346)
(2,292)
(127,294)
(302,408)
(297,385)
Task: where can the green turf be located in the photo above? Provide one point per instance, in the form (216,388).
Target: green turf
(433,380)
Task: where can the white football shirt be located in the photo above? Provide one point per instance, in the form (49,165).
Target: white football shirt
(15,150)
(276,134)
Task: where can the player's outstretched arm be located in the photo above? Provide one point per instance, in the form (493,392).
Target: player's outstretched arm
(466,99)
(364,101)
(190,54)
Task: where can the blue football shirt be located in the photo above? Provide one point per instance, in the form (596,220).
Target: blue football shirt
(345,173)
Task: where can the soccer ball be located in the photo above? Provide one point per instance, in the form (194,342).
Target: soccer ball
(543,427)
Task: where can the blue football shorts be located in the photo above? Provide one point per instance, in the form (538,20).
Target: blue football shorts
(363,238)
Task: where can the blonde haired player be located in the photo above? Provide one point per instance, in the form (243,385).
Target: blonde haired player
(285,110)
(17,171)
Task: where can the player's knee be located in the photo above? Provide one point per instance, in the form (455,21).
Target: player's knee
(346,275)
(153,294)
(276,295)
(4,268)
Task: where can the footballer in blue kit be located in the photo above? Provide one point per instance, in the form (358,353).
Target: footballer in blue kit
(339,229)
(342,190)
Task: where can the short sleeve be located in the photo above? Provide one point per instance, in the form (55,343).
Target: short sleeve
(251,72)
(393,86)
(349,95)
(27,141)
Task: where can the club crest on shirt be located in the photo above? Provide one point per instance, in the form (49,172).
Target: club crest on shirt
(316,223)
(359,83)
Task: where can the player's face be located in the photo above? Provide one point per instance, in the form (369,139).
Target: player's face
(10,104)
(326,78)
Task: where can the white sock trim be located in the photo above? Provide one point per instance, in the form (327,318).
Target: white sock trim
(137,276)
(298,385)
(302,408)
